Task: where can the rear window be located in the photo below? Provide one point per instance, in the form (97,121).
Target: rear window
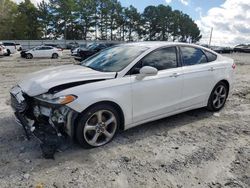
(210,56)
(8,44)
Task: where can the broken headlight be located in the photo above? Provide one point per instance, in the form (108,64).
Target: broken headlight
(49,98)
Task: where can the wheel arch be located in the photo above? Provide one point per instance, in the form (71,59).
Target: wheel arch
(225,82)
(104,102)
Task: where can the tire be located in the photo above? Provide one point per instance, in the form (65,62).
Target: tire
(29,56)
(8,52)
(54,56)
(91,132)
(218,97)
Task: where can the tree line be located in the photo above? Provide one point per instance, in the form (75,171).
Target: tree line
(94,20)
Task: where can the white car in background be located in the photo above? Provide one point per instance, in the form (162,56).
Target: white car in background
(119,88)
(19,47)
(10,47)
(44,51)
(3,50)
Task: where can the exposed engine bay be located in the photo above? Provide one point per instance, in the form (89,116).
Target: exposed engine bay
(50,123)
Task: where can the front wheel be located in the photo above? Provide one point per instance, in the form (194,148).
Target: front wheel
(97,126)
(8,52)
(29,56)
(54,56)
(218,97)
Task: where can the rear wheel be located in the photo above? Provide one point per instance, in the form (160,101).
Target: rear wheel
(54,56)
(97,126)
(29,56)
(218,97)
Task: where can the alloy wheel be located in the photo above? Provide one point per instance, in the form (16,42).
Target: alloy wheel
(100,128)
(219,96)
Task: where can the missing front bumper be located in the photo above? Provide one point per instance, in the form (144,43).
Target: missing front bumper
(49,140)
(50,124)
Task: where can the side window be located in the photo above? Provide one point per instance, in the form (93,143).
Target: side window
(45,48)
(38,48)
(161,59)
(210,56)
(192,56)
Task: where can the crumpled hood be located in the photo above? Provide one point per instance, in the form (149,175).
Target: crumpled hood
(40,82)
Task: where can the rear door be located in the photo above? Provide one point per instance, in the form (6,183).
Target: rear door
(198,77)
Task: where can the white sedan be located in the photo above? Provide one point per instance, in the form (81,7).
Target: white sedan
(122,87)
(44,51)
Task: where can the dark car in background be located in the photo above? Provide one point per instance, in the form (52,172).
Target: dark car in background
(222,49)
(84,53)
(75,50)
(242,48)
(72,45)
(23,53)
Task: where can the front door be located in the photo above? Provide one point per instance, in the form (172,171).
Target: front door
(160,94)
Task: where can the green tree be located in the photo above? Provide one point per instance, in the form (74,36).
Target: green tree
(189,31)
(8,13)
(115,10)
(133,19)
(63,12)
(86,13)
(165,14)
(161,23)
(44,16)
(26,22)
(150,17)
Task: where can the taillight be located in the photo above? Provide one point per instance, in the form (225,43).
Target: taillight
(234,66)
(59,49)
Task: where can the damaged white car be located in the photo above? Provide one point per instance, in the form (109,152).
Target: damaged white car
(119,88)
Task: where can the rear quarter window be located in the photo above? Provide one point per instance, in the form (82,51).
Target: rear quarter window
(210,56)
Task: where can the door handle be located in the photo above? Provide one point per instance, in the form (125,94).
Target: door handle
(211,69)
(175,75)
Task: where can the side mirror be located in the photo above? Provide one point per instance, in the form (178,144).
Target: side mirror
(147,71)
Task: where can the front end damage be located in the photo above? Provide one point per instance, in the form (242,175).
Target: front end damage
(48,122)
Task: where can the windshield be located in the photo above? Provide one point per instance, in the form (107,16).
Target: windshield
(114,59)
(92,46)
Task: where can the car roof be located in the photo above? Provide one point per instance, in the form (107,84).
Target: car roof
(159,44)
(154,44)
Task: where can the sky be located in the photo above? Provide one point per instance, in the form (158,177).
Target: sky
(230,19)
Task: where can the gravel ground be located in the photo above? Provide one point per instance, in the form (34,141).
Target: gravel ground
(192,149)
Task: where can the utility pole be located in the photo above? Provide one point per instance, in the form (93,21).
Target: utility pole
(211,34)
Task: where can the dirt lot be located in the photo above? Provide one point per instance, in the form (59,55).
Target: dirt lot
(193,149)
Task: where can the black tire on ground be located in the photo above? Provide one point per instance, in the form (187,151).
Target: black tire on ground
(214,106)
(54,56)
(8,52)
(85,116)
(29,56)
